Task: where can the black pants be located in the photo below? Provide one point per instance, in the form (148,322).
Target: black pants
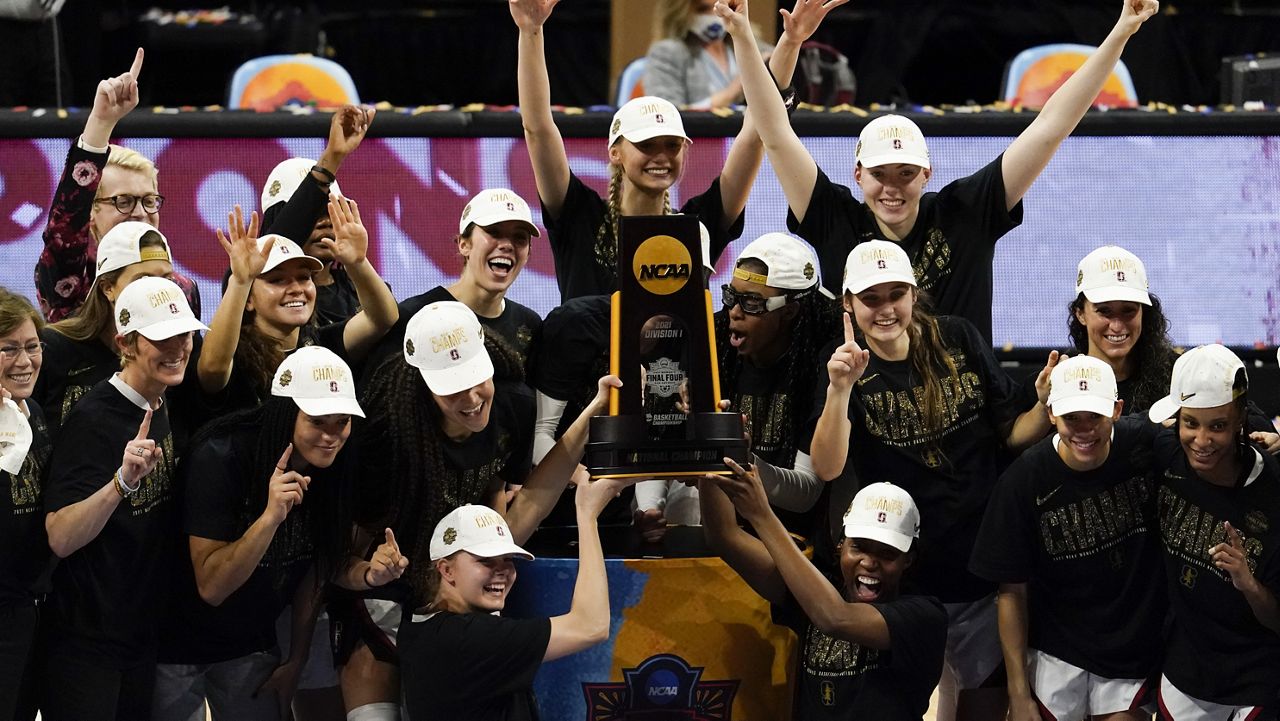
(78,687)
(17,654)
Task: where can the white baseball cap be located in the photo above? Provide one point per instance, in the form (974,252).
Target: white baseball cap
(478,530)
(284,250)
(1082,383)
(791,263)
(1203,377)
(318,381)
(122,246)
(883,512)
(875,262)
(156,308)
(646,117)
(891,139)
(285,178)
(1112,273)
(493,206)
(445,342)
(15,437)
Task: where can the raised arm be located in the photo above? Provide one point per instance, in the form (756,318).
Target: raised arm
(744,553)
(297,217)
(795,168)
(217,354)
(587,622)
(65,270)
(742,164)
(822,603)
(1011,615)
(546,147)
(1027,156)
(1033,424)
(829,449)
(548,479)
(73,527)
(221,567)
(350,246)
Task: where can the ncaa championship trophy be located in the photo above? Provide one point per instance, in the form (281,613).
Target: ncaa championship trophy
(665,421)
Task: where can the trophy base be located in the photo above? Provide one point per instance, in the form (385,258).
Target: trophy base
(620,447)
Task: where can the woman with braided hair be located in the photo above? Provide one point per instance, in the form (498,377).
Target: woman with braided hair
(647,154)
(442,434)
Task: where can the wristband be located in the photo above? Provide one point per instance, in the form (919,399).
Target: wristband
(121,487)
(365,576)
(789,98)
(329,176)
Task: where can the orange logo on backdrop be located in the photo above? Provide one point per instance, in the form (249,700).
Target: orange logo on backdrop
(277,85)
(1047,74)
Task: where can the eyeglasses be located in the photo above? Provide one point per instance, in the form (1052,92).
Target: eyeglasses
(751,303)
(10,352)
(124,203)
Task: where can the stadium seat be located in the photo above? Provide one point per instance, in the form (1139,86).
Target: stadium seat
(1033,75)
(273,81)
(630,82)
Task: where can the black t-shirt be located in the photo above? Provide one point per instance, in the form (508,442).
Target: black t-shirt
(518,325)
(337,301)
(1216,649)
(68,369)
(949,474)
(839,679)
(1086,545)
(218,504)
(242,392)
(472,666)
(107,595)
(25,558)
(572,237)
(951,245)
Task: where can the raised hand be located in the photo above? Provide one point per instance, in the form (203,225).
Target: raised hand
(745,489)
(117,96)
(1230,557)
(350,244)
(735,17)
(803,20)
(285,489)
(531,14)
(1042,378)
(140,455)
(849,361)
(600,404)
(1136,12)
(241,245)
(348,127)
(591,498)
(387,563)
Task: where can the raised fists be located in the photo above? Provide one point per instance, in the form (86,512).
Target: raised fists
(1136,12)
(849,361)
(735,17)
(348,127)
(140,456)
(531,14)
(241,245)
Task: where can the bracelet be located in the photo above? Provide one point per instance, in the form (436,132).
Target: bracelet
(365,576)
(123,488)
(328,174)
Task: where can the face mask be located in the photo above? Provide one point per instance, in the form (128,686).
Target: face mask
(707,27)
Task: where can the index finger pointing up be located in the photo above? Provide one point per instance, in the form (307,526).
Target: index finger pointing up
(283,463)
(848,327)
(391,540)
(145,428)
(136,69)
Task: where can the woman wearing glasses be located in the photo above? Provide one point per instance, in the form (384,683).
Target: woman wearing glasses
(102,186)
(24,548)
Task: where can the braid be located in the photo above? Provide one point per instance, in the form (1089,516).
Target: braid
(608,233)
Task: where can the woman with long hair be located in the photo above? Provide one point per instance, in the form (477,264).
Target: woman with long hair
(256,547)
(80,350)
(111,515)
(268,309)
(102,185)
(920,400)
(25,448)
(647,151)
(441,434)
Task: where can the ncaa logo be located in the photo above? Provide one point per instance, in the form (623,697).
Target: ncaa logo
(662,265)
(662,687)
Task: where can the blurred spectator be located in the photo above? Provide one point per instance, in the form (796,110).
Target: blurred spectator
(690,65)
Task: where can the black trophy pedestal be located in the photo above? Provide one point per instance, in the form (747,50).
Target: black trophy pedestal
(620,447)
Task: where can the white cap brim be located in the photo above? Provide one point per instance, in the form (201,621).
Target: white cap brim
(1163,409)
(643,134)
(900,541)
(281,260)
(1114,293)
(1079,403)
(485,221)
(862,284)
(493,549)
(330,406)
(167,329)
(875,161)
(447,381)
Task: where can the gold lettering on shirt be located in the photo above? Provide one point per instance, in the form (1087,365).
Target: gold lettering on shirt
(827,656)
(1097,523)
(1188,532)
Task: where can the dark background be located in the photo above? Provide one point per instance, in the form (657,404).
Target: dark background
(463,51)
